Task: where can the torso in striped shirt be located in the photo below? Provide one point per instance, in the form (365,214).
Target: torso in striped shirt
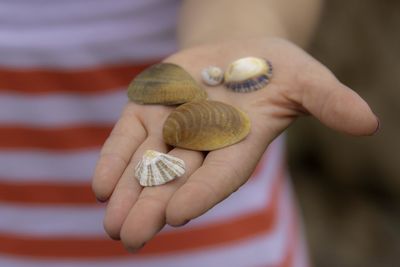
(64,68)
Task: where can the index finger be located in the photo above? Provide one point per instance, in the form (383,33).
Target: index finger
(125,138)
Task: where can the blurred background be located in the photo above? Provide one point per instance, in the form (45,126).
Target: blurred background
(349,188)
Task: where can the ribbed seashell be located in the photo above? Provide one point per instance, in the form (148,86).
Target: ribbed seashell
(212,75)
(157,168)
(165,83)
(248,74)
(205,125)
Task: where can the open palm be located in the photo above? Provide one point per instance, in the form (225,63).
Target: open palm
(300,85)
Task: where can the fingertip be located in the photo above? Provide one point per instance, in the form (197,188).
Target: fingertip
(345,111)
(99,192)
(119,206)
(133,248)
(132,243)
(144,221)
(372,127)
(113,235)
(333,103)
(112,228)
(177,222)
(378,127)
(175,219)
(361,121)
(179,211)
(135,233)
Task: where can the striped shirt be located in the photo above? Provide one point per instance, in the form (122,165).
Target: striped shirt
(64,68)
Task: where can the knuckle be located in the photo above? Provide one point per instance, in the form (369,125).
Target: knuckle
(123,126)
(312,75)
(107,158)
(105,174)
(228,170)
(129,125)
(151,200)
(208,188)
(130,109)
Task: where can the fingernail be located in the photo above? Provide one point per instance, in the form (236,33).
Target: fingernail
(184,223)
(98,199)
(377,127)
(101,201)
(134,250)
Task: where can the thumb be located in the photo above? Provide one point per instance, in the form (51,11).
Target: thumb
(333,103)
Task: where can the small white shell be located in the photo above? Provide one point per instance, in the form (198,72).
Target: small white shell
(248,74)
(157,168)
(212,75)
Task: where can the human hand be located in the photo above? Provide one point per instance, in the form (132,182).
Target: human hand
(299,85)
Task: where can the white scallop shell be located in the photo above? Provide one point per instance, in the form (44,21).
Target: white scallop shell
(212,75)
(157,168)
(248,74)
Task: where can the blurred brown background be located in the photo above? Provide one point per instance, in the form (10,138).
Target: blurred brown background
(349,188)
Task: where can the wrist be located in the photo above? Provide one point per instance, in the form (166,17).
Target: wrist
(233,30)
(215,21)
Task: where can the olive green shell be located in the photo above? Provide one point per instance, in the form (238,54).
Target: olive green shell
(166,84)
(205,125)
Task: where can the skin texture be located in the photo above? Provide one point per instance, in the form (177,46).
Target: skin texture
(213,21)
(300,85)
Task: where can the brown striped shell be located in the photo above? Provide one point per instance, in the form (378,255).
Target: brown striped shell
(205,125)
(165,83)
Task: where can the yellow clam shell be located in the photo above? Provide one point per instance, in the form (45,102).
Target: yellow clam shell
(165,83)
(205,125)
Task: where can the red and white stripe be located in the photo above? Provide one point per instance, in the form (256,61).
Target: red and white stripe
(85,33)
(261,247)
(252,197)
(66,109)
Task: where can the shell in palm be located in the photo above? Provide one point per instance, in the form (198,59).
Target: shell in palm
(248,74)
(205,125)
(157,168)
(165,83)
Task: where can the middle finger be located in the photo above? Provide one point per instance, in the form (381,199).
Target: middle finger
(147,217)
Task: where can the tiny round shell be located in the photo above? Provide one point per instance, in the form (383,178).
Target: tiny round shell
(212,75)
(157,168)
(205,125)
(248,74)
(166,84)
